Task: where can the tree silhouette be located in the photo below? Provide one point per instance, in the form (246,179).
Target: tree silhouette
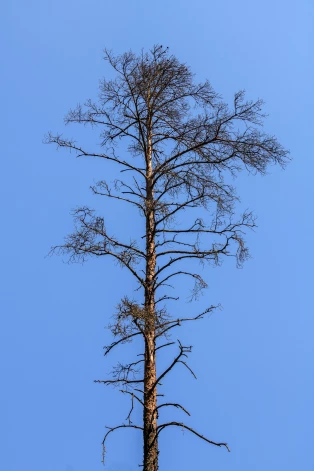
(184,143)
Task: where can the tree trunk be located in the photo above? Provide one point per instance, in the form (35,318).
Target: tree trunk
(150,387)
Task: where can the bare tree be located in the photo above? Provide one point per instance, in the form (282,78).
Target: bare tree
(184,143)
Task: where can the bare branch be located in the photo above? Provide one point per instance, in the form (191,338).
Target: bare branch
(117,342)
(118,381)
(108,194)
(182,353)
(132,395)
(181,425)
(170,404)
(113,429)
(177,322)
(69,144)
(164,345)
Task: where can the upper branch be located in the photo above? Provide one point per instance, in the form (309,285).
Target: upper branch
(70,144)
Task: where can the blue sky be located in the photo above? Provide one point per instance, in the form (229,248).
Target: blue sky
(253,359)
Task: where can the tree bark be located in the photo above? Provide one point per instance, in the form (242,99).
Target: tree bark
(150,387)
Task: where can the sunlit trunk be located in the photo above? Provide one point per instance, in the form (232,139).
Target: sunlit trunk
(150,389)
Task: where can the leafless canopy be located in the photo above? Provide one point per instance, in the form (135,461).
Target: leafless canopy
(184,145)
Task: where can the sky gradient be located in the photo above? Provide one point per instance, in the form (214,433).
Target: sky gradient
(254,358)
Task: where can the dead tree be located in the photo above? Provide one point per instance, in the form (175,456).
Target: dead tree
(184,143)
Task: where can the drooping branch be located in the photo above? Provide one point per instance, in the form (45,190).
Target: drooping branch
(113,429)
(195,276)
(190,429)
(170,404)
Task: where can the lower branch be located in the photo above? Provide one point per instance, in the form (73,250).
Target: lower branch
(181,425)
(113,429)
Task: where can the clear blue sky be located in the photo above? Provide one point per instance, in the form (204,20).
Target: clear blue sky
(254,359)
